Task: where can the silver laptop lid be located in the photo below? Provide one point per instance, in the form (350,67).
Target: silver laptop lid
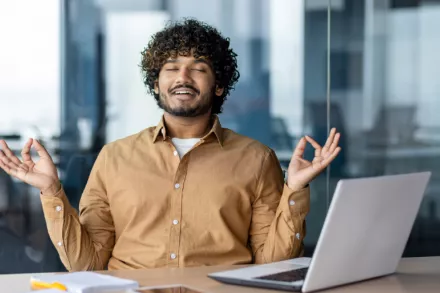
(366,229)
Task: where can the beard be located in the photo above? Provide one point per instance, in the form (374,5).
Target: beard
(202,107)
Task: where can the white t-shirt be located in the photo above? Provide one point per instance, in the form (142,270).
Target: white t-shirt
(183,145)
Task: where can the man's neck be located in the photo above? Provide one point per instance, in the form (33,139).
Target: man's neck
(187,127)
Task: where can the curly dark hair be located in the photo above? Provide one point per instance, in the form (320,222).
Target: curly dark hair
(187,37)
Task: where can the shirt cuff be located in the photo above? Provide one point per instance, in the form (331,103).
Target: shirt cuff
(55,205)
(295,202)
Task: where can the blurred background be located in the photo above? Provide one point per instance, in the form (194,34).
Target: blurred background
(70,76)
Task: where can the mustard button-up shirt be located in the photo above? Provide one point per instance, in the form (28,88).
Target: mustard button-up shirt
(223,202)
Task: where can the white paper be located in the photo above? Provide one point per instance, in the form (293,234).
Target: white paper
(88,282)
(48,291)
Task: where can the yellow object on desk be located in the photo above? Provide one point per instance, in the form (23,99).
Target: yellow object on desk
(81,282)
(39,285)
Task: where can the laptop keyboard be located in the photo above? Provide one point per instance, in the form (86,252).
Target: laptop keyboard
(287,276)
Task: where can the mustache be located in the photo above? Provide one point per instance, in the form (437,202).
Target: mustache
(187,86)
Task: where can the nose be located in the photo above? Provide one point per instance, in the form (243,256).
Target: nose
(184,76)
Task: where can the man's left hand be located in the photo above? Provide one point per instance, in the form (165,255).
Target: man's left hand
(301,171)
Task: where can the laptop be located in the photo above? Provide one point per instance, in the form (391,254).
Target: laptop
(364,235)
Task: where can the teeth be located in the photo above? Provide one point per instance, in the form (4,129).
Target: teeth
(182,93)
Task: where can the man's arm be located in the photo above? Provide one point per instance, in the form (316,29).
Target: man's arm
(278,215)
(85,241)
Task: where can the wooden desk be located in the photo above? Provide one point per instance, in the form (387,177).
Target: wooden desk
(418,275)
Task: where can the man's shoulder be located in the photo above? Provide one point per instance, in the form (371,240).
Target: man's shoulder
(128,142)
(240,141)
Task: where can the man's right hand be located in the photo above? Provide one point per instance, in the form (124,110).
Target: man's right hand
(41,174)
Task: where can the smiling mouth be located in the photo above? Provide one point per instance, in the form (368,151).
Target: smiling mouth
(184,93)
(185,90)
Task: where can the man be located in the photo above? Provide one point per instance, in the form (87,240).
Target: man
(186,192)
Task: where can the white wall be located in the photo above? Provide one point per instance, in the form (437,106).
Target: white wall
(287,62)
(208,11)
(413,62)
(129,106)
(374,65)
(401,61)
(128,5)
(429,67)
(402,57)
(30,65)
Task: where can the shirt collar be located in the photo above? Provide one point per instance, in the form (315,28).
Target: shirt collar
(216,129)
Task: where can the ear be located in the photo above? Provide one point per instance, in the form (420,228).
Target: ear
(218,91)
(156,87)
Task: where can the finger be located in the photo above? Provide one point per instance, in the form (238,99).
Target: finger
(13,169)
(335,143)
(41,150)
(9,162)
(5,167)
(26,151)
(7,151)
(329,141)
(9,166)
(17,172)
(315,145)
(300,147)
(329,159)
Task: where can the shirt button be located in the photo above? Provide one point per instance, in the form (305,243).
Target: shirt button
(298,236)
(177,185)
(291,202)
(173,256)
(58,208)
(175,153)
(175,222)
(60,243)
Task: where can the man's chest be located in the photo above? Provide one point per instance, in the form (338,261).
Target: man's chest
(198,192)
